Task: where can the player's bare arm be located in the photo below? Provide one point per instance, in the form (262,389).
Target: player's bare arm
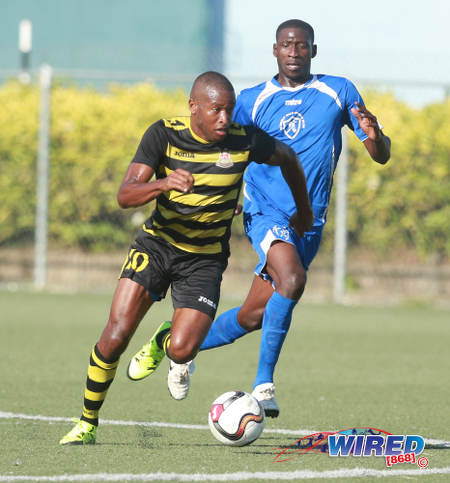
(377,144)
(136,190)
(292,171)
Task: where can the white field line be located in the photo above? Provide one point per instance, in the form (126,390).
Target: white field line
(238,476)
(158,424)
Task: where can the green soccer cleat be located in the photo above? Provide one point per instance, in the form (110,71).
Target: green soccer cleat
(82,433)
(149,357)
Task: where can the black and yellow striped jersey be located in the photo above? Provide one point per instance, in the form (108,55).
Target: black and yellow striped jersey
(199,222)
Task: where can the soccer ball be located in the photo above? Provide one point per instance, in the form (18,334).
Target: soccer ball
(236,418)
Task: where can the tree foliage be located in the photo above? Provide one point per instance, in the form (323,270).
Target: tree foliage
(93,138)
(406,202)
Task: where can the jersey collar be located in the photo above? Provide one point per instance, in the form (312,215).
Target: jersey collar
(197,138)
(292,89)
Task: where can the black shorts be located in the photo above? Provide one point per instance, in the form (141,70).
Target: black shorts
(194,278)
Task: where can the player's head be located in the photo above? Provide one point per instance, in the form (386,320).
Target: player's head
(294,48)
(295,23)
(211,103)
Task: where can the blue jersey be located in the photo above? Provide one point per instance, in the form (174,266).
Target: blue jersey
(309,118)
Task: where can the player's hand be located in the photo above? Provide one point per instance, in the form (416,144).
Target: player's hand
(238,209)
(302,221)
(179,180)
(367,121)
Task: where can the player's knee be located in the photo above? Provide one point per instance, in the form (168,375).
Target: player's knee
(293,285)
(115,339)
(181,351)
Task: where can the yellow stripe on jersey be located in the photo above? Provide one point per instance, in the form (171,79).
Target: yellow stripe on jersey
(197,138)
(173,152)
(207,217)
(236,129)
(193,199)
(201,233)
(181,123)
(207,249)
(212,179)
(177,123)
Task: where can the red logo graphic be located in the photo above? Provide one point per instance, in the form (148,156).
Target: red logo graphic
(216,411)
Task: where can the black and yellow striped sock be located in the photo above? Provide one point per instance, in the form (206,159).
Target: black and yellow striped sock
(101,374)
(163,340)
(166,343)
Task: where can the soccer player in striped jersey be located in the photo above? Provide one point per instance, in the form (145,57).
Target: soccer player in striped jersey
(198,162)
(307,112)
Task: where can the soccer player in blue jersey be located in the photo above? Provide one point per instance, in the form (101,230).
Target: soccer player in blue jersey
(307,112)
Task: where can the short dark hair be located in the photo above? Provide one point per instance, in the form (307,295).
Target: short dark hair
(294,22)
(213,78)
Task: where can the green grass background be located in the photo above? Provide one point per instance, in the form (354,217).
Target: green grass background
(340,367)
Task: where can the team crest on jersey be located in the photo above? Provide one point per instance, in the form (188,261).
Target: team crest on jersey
(291,124)
(224,160)
(281,232)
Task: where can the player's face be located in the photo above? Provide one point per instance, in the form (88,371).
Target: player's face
(212,112)
(294,50)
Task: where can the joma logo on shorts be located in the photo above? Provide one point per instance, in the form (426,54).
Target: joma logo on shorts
(207,301)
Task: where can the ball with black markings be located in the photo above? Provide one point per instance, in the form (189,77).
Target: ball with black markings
(236,418)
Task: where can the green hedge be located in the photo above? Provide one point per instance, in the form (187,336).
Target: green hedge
(405,203)
(94,136)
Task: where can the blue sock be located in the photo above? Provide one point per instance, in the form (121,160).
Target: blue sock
(276,321)
(224,330)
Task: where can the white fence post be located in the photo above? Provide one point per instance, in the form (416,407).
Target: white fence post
(43,172)
(340,231)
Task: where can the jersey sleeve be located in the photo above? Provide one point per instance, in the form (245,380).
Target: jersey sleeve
(242,113)
(263,145)
(152,147)
(352,96)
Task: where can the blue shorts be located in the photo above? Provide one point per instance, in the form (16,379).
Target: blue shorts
(262,230)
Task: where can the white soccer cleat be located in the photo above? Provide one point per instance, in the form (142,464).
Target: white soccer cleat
(265,394)
(179,379)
